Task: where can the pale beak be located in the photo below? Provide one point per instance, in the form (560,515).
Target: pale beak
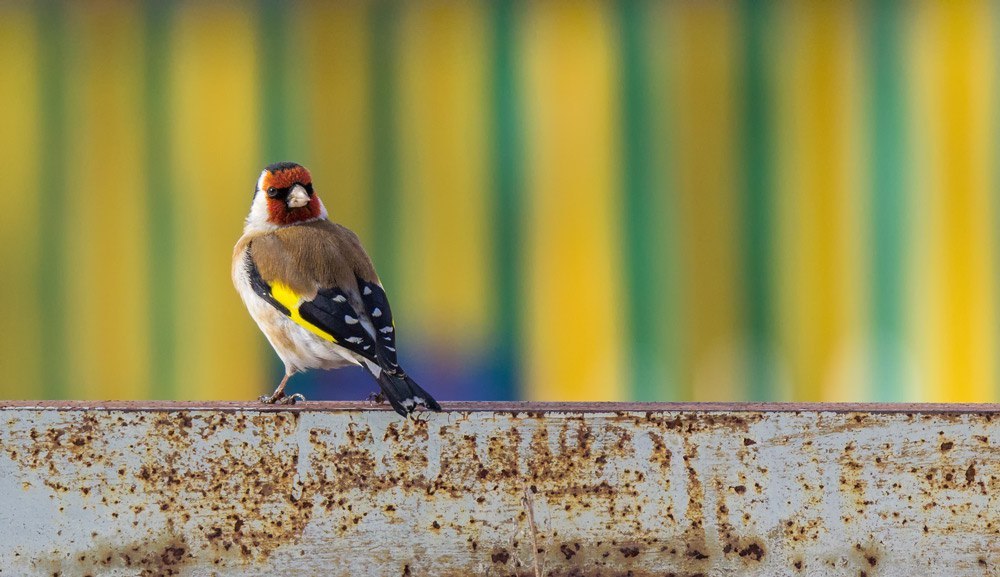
(298,197)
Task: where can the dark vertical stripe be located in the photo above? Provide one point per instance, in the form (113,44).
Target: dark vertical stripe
(757,149)
(888,199)
(159,183)
(385,156)
(507,202)
(52,264)
(644,254)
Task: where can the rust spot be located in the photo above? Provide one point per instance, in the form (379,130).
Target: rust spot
(629,551)
(747,442)
(501,556)
(970,473)
(752,551)
(947,446)
(661,455)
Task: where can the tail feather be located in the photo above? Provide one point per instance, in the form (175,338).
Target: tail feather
(403,393)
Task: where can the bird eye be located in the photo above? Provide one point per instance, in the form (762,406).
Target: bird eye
(272,192)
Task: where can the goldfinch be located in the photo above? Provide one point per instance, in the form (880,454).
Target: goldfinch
(313,291)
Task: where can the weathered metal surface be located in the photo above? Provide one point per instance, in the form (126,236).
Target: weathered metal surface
(512,489)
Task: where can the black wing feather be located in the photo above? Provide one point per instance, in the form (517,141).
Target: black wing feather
(377,306)
(332,312)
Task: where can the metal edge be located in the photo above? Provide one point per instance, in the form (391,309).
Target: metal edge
(506,407)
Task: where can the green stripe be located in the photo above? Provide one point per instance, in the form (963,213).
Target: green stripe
(54,63)
(275,81)
(757,148)
(385,156)
(507,202)
(163,269)
(888,200)
(642,225)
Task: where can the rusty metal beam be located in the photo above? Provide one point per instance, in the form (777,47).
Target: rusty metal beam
(164,488)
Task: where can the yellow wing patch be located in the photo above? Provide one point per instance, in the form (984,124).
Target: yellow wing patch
(287,297)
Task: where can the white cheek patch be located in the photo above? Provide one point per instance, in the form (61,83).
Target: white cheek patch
(257,220)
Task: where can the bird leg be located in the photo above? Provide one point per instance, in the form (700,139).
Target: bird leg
(376,398)
(278,396)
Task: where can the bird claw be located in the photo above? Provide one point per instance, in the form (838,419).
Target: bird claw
(376,398)
(292,399)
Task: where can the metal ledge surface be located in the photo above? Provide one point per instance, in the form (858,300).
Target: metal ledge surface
(525,489)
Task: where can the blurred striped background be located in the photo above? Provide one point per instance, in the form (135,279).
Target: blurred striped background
(566,200)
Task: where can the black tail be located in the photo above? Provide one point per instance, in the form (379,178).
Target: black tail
(403,394)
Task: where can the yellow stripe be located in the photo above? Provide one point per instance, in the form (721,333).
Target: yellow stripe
(291,301)
(444,292)
(574,324)
(961,331)
(820,202)
(106,290)
(20,125)
(705,71)
(337,92)
(215,115)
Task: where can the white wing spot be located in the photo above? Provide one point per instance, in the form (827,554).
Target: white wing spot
(339,299)
(385,330)
(367,291)
(355,340)
(407,403)
(390,349)
(350,320)
(377,312)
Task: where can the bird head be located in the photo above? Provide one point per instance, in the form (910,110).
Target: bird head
(284,196)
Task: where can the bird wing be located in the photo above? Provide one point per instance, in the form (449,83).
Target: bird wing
(328,315)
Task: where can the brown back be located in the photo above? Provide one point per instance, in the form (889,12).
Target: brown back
(311,256)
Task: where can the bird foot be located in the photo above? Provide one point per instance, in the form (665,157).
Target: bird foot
(281,399)
(376,398)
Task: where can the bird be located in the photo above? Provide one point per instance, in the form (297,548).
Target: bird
(313,290)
